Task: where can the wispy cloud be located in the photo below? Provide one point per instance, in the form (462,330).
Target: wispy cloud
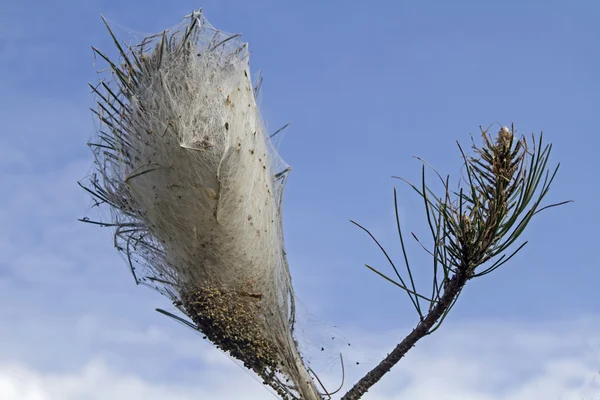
(97,381)
(487,361)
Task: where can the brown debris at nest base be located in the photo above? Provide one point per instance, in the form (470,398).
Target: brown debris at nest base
(230,320)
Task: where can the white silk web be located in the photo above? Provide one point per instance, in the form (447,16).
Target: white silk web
(195,186)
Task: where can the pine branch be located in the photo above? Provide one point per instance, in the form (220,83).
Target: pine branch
(423,328)
(475,225)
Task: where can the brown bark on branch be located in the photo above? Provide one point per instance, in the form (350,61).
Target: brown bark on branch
(451,292)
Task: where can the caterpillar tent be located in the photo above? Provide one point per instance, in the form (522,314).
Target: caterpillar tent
(195,185)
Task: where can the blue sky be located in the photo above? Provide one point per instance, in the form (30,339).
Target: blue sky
(366,87)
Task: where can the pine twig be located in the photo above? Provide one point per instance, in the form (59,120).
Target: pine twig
(469,229)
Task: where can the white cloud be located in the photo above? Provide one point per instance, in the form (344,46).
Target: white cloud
(472,362)
(96,381)
(482,360)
